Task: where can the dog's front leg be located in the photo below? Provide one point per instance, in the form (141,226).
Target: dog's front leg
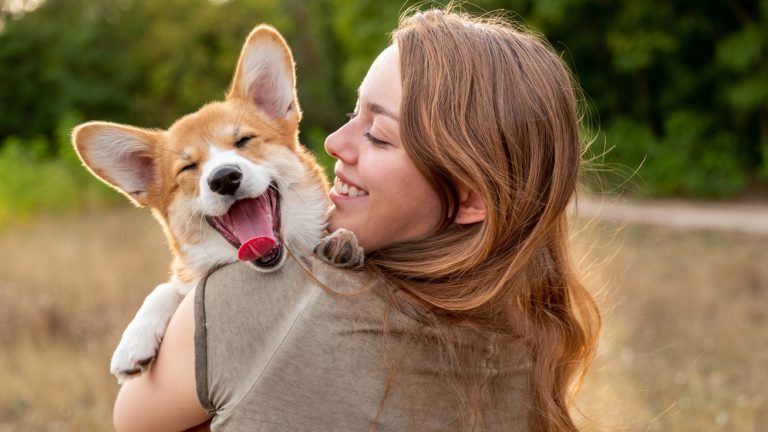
(141,339)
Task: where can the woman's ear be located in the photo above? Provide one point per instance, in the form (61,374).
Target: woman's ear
(471,207)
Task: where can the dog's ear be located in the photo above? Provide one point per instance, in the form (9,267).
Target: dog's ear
(265,75)
(121,156)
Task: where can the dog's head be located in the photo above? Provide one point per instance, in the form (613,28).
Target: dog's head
(229,181)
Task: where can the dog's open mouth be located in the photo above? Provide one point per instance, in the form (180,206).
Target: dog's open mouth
(252,225)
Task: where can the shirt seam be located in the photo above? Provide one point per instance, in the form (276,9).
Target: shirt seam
(201,350)
(299,312)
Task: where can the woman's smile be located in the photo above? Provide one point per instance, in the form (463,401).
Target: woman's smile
(378,192)
(345,188)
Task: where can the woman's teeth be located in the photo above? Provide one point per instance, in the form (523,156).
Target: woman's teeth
(342,188)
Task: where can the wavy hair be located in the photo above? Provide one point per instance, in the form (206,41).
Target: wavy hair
(490,107)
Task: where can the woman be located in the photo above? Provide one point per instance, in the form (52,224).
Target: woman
(461,157)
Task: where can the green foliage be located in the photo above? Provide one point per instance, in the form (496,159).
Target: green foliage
(33,180)
(693,158)
(682,86)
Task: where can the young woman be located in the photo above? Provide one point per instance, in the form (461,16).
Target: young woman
(455,172)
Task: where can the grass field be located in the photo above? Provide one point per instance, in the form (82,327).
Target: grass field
(685,339)
(684,346)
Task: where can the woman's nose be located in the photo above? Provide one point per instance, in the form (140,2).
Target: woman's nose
(341,146)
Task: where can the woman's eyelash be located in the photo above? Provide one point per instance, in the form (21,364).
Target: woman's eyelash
(374,140)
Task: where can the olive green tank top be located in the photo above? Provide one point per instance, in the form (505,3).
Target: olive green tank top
(275,352)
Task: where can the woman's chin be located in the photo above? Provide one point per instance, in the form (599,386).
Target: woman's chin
(337,220)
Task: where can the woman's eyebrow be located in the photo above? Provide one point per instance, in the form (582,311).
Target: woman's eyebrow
(378,109)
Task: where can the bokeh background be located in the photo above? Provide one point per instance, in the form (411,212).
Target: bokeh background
(676,108)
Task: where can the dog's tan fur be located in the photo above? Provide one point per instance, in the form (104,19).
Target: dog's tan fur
(181,139)
(148,166)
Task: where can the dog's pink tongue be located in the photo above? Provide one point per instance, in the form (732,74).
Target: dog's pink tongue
(252,220)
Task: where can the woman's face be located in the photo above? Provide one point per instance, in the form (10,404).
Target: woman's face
(378,193)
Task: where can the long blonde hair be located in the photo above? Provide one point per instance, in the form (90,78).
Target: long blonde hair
(490,107)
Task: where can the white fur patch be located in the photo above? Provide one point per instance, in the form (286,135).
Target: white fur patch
(141,339)
(303,206)
(210,253)
(255,181)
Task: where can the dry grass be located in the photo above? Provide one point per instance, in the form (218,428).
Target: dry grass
(685,341)
(684,346)
(68,287)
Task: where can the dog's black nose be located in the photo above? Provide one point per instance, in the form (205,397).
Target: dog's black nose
(225,180)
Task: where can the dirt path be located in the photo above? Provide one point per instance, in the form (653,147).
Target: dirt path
(743,218)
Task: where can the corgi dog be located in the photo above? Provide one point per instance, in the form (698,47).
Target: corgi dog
(229,182)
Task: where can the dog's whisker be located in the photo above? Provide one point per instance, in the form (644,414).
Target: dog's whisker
(190,220)
(167,150)
(208,138)
(297,192)
(200,223)
(188,209)
(238,117)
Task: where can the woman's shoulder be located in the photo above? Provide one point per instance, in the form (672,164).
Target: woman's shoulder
(292,272)
(326,353)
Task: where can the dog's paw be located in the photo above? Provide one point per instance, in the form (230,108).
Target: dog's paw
(136,351)
(340,249)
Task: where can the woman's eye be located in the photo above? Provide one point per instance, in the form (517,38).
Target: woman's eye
(351,115)
(189,167)
(243,141)
(375,141)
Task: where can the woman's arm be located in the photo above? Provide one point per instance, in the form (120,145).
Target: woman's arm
(165,397)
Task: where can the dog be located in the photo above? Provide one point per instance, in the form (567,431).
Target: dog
(229,182)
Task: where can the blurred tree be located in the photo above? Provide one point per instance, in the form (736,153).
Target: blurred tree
(681,87)
(141,62)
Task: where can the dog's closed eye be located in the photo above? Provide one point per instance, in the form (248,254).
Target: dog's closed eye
(243,141)
(188,167)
